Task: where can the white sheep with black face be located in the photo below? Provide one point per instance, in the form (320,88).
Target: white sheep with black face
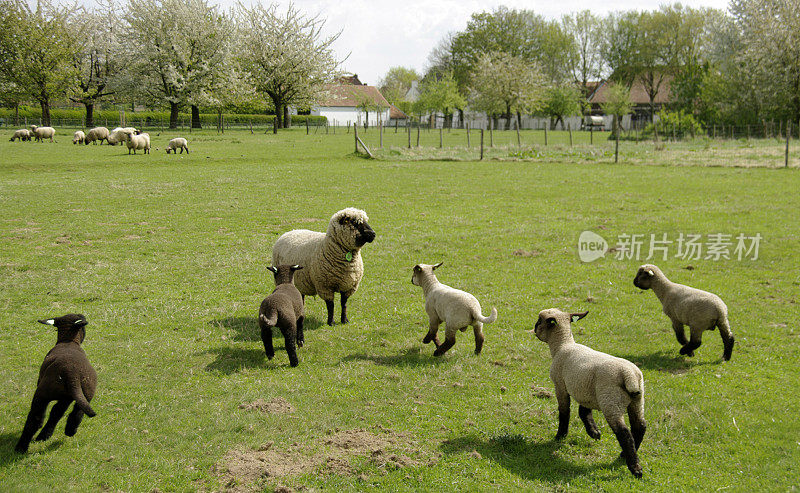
(96,134)
(597,381)
(331,261)
(78,137)
(698,309)
(41,133)
(21,134)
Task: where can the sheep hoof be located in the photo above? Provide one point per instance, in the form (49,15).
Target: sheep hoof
(686,352)
(21,449)
(636,470)
(43,436)
(595,434)
(300,343)
(558,438)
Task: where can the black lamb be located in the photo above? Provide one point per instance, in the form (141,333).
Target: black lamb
(283,308)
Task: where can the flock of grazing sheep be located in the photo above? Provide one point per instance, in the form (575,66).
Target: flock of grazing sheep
(309,263)
(134,139)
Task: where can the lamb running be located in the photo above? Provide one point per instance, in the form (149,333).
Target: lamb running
(78,137)
(457,309)
(22,134)
(332,260)
(283,308)
(65,376)
(700,310)
(177,143)
(597,381)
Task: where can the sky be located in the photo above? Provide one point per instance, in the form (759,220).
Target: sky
(379,34)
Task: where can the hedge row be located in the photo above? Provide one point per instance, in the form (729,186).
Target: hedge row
(153,118)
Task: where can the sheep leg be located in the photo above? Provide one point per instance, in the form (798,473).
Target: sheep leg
(680,334)
(33,423)
(73,421)
(563,413)
(290,336)
(588,421)
(55,415)
(479,337)
(344,308)
(449,341)
(266,338)
(636,417)
(300,336)
(727,339)
(329,306)
(626,441)
(695,340)
(433,328)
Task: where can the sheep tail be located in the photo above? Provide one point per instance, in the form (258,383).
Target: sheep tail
(632,384)
(271,320)
(76,392)
(487,320)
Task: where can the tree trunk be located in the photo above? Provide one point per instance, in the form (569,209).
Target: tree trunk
(173,115)
(287,118)
(44,102)
(196,117)
(508,117)
(460,118)
(278,115)
(89,114)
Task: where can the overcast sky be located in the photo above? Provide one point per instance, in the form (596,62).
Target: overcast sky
(380,34)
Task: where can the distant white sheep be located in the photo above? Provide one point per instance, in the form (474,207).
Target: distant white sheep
(177,143)
(95,134)
(78,137)
(21,134)
(42,133)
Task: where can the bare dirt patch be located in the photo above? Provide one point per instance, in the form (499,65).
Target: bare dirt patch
(243,470)
(276,405)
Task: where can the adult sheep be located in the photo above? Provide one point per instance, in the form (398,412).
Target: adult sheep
(96,134)
(138,142)
(42,133)
(331,261)
(22,134)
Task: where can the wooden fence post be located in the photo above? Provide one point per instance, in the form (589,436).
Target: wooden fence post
(569,128)
(519,141)
(467,135)
(306,124)
(591,134)
(408,129)
(441,138)
(380,133)
(616,146)
(355,135)
(788,133)
(545,133)
(491,133)
(481,144)
(418,134)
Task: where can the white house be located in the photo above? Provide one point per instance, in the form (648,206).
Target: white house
(353,103)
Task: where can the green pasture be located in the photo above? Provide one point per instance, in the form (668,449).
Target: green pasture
(166,255)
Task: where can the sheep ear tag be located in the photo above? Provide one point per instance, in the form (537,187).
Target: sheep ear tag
(348,256)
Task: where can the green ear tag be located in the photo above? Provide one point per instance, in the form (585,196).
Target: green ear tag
(348,256)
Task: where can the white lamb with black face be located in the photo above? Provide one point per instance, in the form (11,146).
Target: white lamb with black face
(698,309)
(596,380)
(331,261)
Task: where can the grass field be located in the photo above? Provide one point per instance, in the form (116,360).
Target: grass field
(167,255)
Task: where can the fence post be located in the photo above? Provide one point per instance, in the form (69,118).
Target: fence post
(408,128)
(519,141)
(380,132)
(355,135)
(306,125)
(616,145)
(569,128)
(481,144)
(788,133)
(491,132)
(418,133)
(467,125)
(441,138)
(545,133)
(591,135)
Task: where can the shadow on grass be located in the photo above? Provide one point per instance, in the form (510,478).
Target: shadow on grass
(247,327)
(9,440)
(666,361)
(231,360)
(411,357)
(525,458)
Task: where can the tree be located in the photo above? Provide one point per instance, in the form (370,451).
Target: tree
(37,50)
(620,46)
(618,103)
(506,84)
(585,60)
(285,55)
(99,61)
(397,82)
(178,47)
(439,95)
(769,59)
(561,101)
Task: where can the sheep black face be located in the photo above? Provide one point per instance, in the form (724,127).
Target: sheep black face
(644,277)
(362,232)
(284,274)
(70,326)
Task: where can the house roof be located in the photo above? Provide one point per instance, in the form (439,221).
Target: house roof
(395,113)
(638,94)
(349,95)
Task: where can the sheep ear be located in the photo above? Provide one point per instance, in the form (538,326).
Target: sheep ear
(296,267)
(49,321)
(342,219)
(417,268)
(551,321)
(80,323)
(273,269)
(575,316)
(649,272)
(435,266)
